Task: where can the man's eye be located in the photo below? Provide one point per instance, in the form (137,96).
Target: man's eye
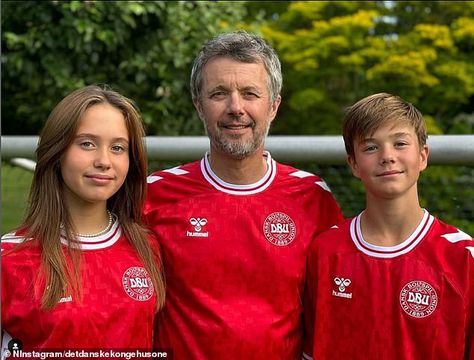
(250,93)
(217,95)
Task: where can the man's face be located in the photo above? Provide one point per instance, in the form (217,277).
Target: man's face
(235,106)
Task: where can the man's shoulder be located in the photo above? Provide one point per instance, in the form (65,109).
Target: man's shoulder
(187,177)
(291,175)
(175,174)
(172,185)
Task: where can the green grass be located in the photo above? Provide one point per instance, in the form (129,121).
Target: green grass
(15,189)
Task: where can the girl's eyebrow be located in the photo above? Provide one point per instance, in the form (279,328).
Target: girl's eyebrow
(95,137)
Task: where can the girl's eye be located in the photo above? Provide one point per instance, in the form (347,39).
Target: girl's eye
(119,148)
(87,144)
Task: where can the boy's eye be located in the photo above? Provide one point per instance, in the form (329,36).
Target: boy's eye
(370,148)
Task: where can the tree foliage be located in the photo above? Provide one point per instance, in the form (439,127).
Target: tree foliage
(142,49)
(335,53)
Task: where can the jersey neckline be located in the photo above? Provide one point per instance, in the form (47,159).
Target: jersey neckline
(97,242)
(390,251)
(84,243)
(235,189)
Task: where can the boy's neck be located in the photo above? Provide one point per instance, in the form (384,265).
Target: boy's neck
(390,223)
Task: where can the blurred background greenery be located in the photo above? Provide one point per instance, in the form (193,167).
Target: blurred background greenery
(333,53)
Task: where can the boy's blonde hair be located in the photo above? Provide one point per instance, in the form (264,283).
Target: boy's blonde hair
(367,115)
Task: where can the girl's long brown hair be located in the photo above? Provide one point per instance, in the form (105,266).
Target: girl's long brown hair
(47,211)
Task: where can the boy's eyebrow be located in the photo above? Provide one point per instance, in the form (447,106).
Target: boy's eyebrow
(396,135)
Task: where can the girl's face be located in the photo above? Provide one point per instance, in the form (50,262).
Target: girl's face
(95,164)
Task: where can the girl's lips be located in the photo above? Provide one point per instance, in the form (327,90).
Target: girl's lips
(100,176)
(100,179)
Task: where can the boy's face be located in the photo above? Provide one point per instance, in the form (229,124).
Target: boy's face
(389,162)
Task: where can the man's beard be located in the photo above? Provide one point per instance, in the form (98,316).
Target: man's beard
(238,149)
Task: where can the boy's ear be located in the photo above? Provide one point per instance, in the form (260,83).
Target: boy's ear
(353,165)
(424,154)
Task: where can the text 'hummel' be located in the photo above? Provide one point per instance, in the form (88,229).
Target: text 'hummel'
(198,224)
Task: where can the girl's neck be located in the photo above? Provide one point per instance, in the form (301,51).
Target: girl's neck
(87,221)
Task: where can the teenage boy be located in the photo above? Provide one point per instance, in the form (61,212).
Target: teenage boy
(393,282)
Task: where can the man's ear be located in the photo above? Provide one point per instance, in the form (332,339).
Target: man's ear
(274,108)
(198,106)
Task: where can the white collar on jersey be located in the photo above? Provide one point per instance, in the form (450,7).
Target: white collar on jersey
(234,189)
(85,243)
(101,241)
(390,251)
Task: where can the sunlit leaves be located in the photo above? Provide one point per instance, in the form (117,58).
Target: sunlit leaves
(347,50)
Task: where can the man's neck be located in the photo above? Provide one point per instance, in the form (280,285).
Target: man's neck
(238,171)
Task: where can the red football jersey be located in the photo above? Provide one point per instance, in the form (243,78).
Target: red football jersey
(410,301)
(116,311)
(235,259)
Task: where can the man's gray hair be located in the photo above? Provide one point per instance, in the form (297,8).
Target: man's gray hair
(240,46)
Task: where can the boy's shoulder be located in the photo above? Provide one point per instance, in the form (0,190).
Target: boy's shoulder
(338,236)
(289,173)
(451,237)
